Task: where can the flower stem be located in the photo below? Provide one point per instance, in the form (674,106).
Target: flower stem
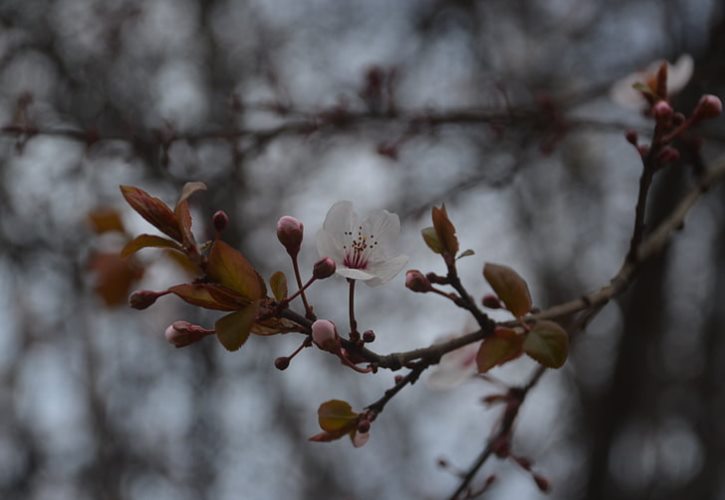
(354,335)
(301,291)
(308,310)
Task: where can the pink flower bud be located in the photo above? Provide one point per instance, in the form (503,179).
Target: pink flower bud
(709,107)
(289,233)
(632,137)
(220,220)
(368,336)
(324,268)
(324,334)
(542,483)
(363,426)
(491,301)
(183,333)
(417,282)
(141,299)
(360,438)
(668,155)
(281,363)
(662,111)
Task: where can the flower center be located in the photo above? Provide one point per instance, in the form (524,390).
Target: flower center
(358,249)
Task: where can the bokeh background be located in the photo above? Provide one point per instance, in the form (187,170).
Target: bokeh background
(284,107)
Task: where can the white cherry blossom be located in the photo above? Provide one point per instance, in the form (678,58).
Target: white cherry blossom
(454,368)
(362,250)
(678,75)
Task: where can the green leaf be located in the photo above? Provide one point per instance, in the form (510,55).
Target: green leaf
(445,230)
(278,284)
(466,253)
(431,239)
(146,241)
(510,288)
(233,329)
(336,416)
(209,296)
(153,210)
(498,349)
(229,267)
(547,343)
(644,88)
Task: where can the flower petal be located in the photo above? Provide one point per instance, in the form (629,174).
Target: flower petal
(354,274)
(327,246)
(679,74)
(384,227)
(340,218)
(625,95)
(386,270)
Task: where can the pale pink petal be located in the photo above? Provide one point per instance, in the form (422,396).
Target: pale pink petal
(454,368)
(328,247)
(624,94)
(383,228)
(679,74)
(386,270)
(340,219)
(360,439)
(354,274)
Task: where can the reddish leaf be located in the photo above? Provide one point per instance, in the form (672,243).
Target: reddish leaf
(203,295)
(336,416)
(114,276)
(182,260)
(445,230)
(274,326)
(153,210)
(183,215)
(510,288)
(105,220)
(146,241)
(431,239)
(229,267)
(189,189)
(497,350)
(278,283)
(547,343)
(233,329)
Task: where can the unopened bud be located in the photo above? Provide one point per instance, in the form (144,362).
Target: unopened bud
(417,282)
(398,379)
(324,268)
(324,334)
(363,426)
(281,363)
(289,233)
(491,301)
(141,299)
(662,111)
(524,462)
(220,220)
(709,107)
(668,155)
(368,336)
(632,137)
(643,150)
(542,483)
(183,333)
